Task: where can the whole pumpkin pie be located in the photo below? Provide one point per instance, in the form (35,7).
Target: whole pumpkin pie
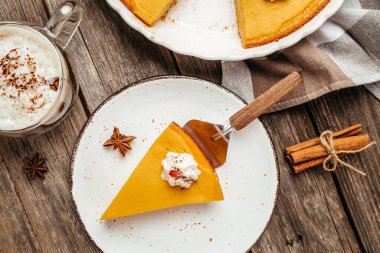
(146,190)
(259,21)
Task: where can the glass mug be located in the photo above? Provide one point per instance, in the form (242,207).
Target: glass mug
(53,39)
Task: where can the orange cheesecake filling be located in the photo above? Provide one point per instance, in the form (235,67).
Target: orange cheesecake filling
(262,21)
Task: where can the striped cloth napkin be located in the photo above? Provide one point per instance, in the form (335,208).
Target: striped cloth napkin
(344,52)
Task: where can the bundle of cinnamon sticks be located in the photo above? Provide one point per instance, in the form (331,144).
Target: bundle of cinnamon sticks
(311,153)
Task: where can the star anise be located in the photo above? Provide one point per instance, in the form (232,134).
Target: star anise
(119,141)
(54,83)
(35,166)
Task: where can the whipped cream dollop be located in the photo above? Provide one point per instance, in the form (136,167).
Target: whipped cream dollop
(180,169)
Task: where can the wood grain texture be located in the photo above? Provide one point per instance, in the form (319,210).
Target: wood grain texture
(262,103)
(108,55)
(100,74)
(360,194)
(47,204)
(44,209)
(19,234)
(309,216)
(208,70)
(116,53)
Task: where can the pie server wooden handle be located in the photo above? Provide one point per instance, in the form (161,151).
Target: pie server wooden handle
(261,104)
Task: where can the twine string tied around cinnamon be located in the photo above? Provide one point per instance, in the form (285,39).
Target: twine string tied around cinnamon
(332,160)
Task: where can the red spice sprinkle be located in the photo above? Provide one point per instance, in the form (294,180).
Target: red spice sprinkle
(23,82)
(174,173)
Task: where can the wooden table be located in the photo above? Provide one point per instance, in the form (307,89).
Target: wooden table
(316,211)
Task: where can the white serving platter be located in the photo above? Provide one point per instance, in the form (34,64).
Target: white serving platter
(207,29)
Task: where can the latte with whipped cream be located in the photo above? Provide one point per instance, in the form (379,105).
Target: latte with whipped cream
(30,78)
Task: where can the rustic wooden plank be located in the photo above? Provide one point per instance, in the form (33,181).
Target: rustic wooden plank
(16,233)
(309,216)
(46,206)
(360,194)
(31,11)
(110,75)
(91,86)
(120,54)
(19,234)
(208,70)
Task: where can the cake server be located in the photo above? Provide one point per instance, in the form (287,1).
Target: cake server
(213,138)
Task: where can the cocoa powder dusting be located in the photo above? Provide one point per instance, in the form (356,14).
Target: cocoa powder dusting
(19,73)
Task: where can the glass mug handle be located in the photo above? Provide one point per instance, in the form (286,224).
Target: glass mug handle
(64,23)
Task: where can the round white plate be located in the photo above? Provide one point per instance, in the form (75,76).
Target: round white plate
(207,29)
(249,179)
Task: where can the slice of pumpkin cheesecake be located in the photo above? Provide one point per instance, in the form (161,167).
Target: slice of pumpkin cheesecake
(174,172)
(149,11)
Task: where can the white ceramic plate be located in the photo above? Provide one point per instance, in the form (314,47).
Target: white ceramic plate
(207,29)
(249,179)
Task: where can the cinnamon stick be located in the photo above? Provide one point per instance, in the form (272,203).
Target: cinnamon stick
(349,131)
(299,167)
(318,151)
